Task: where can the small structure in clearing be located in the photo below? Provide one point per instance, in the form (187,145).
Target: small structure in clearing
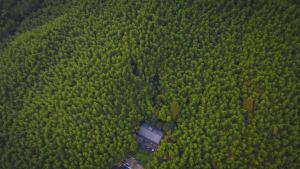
(149,137)
(129,163)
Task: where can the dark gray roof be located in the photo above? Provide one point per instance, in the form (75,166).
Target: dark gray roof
(151,133)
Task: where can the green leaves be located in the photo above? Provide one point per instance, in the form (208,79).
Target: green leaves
(220,79)
(174,110)
(248,104)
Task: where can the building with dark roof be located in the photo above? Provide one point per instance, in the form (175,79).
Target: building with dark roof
(149,137)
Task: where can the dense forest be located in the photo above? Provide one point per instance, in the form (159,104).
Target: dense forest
(220,78)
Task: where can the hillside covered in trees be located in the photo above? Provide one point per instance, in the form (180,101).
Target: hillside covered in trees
(220,78)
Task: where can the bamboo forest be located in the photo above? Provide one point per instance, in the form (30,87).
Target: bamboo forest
(219,79)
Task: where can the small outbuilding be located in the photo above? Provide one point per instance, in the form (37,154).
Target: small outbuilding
(149,137)
(128,163)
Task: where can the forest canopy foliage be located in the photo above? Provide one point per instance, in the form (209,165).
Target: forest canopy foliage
(221,78)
